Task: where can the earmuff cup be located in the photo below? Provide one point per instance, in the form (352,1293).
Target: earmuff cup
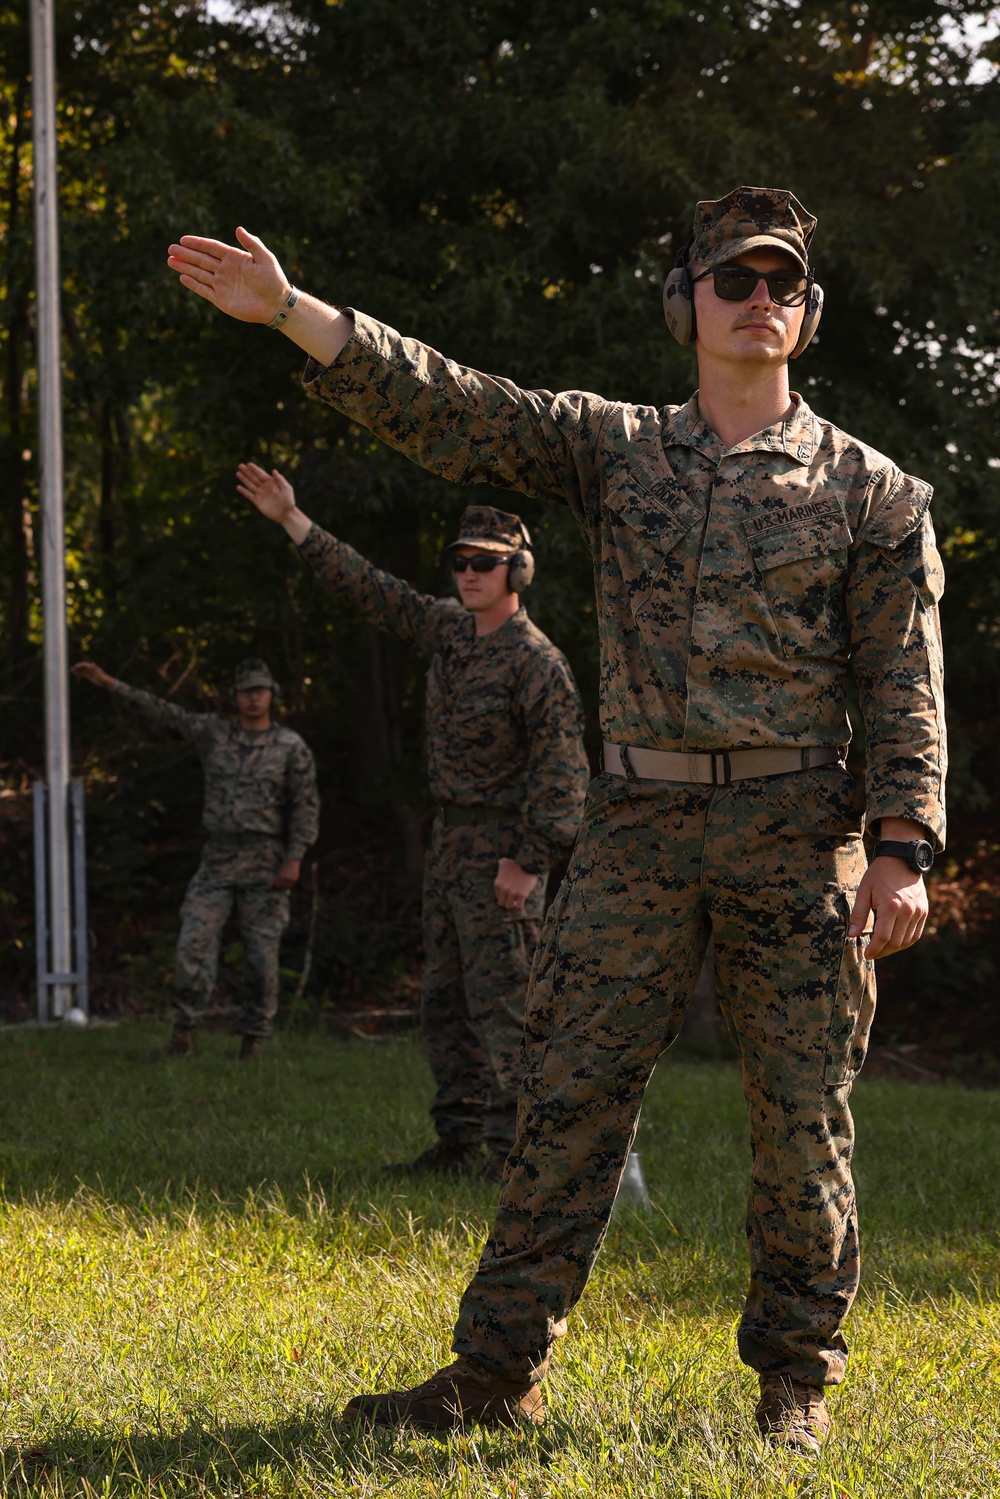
(678,304)
(810,322)
(520,571)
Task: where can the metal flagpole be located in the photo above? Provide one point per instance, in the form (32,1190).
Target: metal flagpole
(53,562)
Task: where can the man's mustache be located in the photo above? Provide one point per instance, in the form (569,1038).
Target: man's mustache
(758,317)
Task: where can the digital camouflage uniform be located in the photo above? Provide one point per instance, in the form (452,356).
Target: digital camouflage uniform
(734,587)
(504,747)
(261,807)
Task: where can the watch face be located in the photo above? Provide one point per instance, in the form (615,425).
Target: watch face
(924,856)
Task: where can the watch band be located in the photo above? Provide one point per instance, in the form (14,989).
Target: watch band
(285,308)
(917,852)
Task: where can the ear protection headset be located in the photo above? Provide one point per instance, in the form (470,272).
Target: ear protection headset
(521,568)
(522,564)
(678,305)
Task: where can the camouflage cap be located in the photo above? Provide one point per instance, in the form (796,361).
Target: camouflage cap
(749,218)
(252,673)
(492,530)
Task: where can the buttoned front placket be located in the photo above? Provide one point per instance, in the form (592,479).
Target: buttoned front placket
(729,596)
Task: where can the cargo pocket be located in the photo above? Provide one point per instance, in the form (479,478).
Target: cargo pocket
(515,944)
(854,1007)
(801,557)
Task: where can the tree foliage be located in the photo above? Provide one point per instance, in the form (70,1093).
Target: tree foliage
(509,183)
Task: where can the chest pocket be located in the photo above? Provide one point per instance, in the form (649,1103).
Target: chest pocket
(486,700)
(801,556)
(647,518)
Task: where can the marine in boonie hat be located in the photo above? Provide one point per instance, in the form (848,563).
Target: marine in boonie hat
(491,530)
(750,218)
(252,673)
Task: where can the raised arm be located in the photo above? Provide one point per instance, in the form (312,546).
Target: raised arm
(167,717)
(389,602)
(466,426)
(246,282)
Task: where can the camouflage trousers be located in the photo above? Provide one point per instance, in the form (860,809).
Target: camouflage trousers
(232,881)
(478,961)
(770,867)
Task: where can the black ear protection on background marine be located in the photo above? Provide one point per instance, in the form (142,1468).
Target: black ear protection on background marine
(678,305)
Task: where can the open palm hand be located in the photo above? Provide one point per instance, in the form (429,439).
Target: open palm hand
(246,283)
(271,493)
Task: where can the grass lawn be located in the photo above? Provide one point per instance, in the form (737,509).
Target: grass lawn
(201,1263)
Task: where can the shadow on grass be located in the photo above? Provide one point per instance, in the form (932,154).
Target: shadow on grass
(209,1458)
(311,1126)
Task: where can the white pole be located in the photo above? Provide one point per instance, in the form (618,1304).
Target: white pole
(53,562)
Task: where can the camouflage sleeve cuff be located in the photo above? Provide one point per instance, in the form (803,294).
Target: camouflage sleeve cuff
(297,850)
(926,810)
(319,549)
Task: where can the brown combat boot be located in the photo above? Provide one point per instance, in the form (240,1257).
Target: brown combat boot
(444,1155)
(792,1414)
(251,1048)
(181,1043)
(463,1394)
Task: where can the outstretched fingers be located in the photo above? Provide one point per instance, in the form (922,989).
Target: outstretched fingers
(204,289)
(198,261)
(196,244)
(250,480)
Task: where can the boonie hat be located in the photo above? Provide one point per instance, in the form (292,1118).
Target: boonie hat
(492,530)
(252,673)
(749,218)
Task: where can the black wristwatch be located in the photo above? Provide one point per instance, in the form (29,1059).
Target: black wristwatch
(918,854)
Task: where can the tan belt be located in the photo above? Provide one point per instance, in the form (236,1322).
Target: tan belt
(717,769)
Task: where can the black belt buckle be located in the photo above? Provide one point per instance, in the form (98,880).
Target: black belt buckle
(722,770)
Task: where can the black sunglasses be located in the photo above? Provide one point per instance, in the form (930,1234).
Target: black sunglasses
(478,564)
(735,283)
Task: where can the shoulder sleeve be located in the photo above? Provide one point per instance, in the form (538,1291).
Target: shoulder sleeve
(557,769)
(387,601)
(895,581)
(466,426)
(163,716)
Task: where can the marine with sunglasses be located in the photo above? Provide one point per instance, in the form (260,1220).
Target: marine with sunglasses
(748,557)
(508,772)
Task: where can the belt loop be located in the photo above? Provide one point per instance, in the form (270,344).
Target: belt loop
(627,766)
(805,759)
